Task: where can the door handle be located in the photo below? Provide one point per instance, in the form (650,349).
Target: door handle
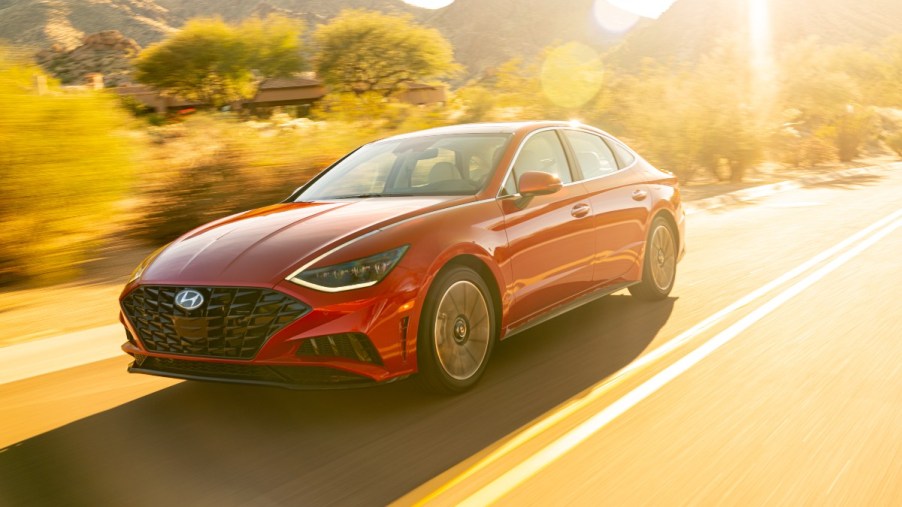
(639,195)
(580,210)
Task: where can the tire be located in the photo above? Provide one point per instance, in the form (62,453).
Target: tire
(457,331)
(659,265)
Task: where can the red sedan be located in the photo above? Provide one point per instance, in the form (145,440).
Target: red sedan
(413,254)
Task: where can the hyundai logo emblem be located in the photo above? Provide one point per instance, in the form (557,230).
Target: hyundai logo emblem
(189,299)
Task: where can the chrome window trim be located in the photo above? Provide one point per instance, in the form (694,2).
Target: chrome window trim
(626,148)
(607,137)
(513,162)
(600,133)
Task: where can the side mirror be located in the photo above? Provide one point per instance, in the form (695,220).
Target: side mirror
(534,183)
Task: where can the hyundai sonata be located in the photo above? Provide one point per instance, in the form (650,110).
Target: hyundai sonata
(412,254)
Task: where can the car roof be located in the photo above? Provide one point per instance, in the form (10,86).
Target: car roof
(491,128)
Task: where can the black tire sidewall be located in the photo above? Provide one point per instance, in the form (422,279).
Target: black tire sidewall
(429,366)
(647,288)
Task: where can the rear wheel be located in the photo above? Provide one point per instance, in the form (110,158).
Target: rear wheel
(659,268)
(457,331)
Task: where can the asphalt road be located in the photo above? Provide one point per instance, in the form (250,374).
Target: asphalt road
(793,398)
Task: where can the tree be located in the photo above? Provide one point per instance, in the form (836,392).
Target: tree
(216,63)
(825,86)
(879,72)
(362,51)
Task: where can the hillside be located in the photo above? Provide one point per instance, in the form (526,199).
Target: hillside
(107,52)
(690,27)
(483,32)
(40,24)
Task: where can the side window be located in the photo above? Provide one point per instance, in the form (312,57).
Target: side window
(592,154)
(624,155)
(542,152)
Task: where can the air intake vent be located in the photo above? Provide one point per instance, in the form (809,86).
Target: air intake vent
(353,346)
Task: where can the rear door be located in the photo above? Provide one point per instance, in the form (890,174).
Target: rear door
(551,237)
(619,202)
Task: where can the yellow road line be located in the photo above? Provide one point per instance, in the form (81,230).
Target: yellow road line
(538,461)
(595,392)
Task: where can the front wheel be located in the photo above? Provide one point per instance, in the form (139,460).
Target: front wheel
(659,267)
(456,332)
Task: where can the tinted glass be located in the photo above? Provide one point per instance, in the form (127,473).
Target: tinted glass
(455,164)
(626,158)
(542,152)
(594,157)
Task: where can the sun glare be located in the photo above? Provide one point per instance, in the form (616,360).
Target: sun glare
(762,58)
(759,32)
(429,4)
(613,18)
(645,8)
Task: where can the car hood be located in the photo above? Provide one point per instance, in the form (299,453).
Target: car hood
(262,246)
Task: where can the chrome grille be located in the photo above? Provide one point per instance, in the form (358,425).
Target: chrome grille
(232,322)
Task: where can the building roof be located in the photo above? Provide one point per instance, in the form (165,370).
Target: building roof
(422,86)
(288,82)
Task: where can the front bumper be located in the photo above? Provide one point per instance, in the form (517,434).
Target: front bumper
(291,377)
(348,339)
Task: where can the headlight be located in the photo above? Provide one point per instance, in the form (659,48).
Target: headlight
(351,275)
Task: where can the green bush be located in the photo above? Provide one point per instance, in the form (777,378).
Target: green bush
(66,160)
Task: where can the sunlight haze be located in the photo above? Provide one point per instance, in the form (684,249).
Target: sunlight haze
(429,4)
(645,8)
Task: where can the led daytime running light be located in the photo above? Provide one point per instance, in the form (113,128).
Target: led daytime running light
(351,275)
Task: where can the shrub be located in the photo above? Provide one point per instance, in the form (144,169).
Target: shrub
(853,130)
(212,166)
(818,148)
(894,141)
(66,160)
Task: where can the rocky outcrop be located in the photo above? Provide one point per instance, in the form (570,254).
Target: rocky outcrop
(107,52)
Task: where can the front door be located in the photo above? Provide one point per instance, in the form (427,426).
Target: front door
(551,238)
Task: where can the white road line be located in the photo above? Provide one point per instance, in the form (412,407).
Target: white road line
(39,357)
(526,469)
(599,389)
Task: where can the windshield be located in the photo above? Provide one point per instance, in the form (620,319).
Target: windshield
(454,164)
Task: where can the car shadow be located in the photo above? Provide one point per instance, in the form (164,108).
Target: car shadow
(217,444)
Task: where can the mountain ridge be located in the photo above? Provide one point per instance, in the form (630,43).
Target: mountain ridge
(484,33)
(690,28)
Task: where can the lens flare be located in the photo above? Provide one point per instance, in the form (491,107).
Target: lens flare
(613,19)
(762,57)
(759,31)
(645,8)
(571,75)
(429,4)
